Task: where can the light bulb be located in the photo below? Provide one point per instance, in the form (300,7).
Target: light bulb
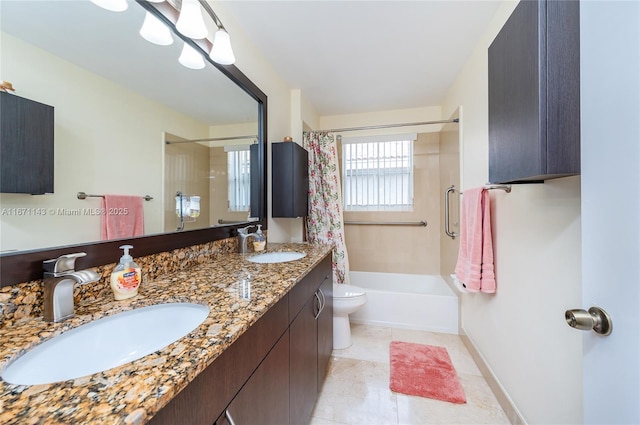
(191,58)
(221,51)
(112,5)
(190,22)
(154,31)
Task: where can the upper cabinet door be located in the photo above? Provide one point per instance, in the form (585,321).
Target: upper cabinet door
(534,93)
(290,180)
(26,142)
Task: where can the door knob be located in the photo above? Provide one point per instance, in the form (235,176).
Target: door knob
(596,319)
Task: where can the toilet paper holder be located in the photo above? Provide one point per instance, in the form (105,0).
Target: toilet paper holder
(595,319)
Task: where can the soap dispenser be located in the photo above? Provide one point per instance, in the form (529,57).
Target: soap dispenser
(126,277)
(259,241)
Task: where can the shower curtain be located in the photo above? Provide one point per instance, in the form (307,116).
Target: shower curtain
(325,224)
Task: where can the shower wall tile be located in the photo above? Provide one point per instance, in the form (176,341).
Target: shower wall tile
(393,249)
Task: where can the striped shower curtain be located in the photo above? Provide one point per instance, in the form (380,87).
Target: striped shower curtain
(325,224)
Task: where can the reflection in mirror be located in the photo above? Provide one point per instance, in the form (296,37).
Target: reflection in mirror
(215,171)
(118,99)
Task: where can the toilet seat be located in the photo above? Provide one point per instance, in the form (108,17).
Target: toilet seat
(347,291)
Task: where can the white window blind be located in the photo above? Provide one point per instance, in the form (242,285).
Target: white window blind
(238,169)
(378,173)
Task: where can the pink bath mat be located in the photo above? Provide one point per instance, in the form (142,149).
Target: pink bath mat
(425,371)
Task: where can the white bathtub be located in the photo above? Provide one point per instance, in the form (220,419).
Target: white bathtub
(423,302)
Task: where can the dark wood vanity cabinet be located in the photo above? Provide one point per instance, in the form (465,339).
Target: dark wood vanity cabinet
(290,180)
(303,360)
(272,373)
(325,327)
(534,93)
(26,145)
(208,395)
(311,340)
(264,399)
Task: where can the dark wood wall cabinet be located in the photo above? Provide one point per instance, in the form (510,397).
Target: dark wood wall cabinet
(272,374)
(534,93)
(26,146)
(290,180)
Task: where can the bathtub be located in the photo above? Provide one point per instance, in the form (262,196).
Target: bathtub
(423,302)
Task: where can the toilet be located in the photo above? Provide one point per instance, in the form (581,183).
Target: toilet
(346,300)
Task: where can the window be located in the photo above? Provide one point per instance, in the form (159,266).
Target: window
(378,173)
(238,170)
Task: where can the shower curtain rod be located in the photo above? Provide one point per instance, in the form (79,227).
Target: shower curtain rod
(213,139)
(376,127)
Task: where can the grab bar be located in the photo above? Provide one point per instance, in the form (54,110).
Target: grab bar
(422,223)
(447,223)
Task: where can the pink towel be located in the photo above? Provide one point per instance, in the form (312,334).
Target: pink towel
(475,257)
(122,217)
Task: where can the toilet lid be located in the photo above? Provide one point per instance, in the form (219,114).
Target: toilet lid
(347,291)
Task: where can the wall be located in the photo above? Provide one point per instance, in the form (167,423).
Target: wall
(520,331)
(100,147)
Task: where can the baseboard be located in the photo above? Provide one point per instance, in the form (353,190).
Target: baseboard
(505,401)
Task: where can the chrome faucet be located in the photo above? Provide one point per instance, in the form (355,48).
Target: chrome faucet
(59,278)
(243,234)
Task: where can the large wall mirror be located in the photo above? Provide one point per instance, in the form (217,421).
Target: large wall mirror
(130,120)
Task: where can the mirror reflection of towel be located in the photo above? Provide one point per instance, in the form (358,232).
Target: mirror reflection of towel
(122,216)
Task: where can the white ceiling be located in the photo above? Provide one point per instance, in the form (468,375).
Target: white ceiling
(362,56)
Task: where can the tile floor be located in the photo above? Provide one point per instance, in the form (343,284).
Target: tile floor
(356,391)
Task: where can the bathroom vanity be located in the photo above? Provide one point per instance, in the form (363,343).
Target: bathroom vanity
(259,357)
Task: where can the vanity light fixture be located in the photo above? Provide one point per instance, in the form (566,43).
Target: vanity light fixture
(221,51)
(154,31)
(112,5)
(190,22)
(191,58)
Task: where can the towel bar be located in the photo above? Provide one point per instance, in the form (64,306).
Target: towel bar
(82,195)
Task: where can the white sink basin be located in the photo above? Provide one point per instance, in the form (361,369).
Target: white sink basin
(277,257)
(105,343)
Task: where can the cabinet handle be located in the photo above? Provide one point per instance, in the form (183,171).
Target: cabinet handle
(324,301)
(229,417)
(319,304)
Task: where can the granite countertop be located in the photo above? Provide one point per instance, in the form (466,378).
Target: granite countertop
(134,392)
